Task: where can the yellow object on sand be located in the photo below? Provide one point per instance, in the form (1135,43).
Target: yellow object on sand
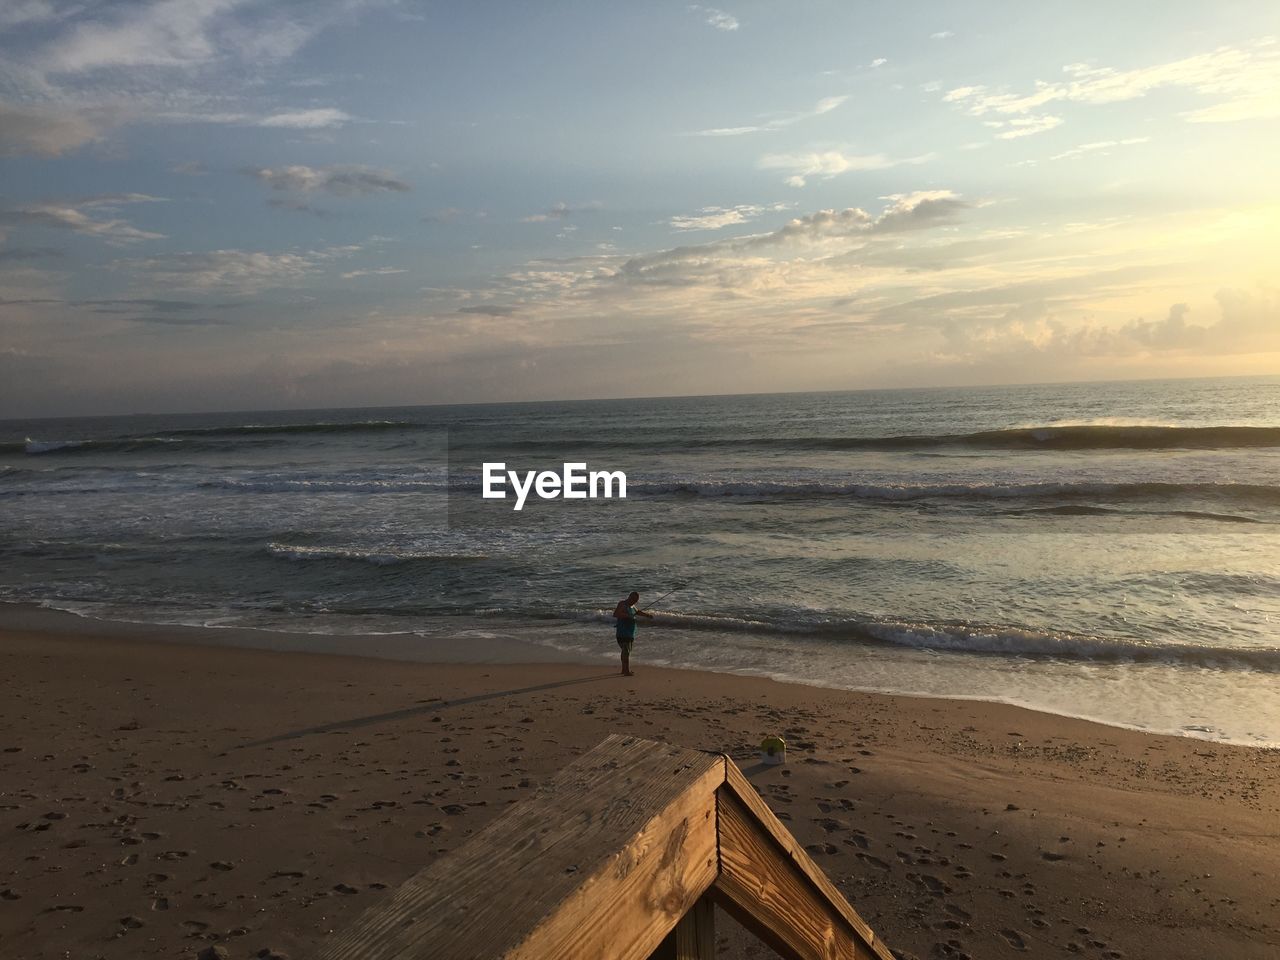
(773,749)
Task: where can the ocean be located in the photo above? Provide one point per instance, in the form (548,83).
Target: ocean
(1103,550)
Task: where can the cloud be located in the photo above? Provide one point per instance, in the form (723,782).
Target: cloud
(717,18)
(717,218)
(156,61)
(561,211)
(373,272)
(42,131)
(181,321)
(235,271)
(825,105)
(20,13)
(318,119)
(297,206)
(188,34)
(189,168)
(134,304)
(1245,82)
(829,163)
(879,62)
(941,35)
(488,310)
(1099,147)
(689,265)
(71,215)
(112,200)
(445,215)
(341,181)
(169,33)
(22,254)
(1026,126)
(1246,322)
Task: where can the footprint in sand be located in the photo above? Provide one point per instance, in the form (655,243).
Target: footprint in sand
(1014,939)
(874,861)
(934,885)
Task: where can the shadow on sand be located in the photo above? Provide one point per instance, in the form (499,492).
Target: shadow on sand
(432,706)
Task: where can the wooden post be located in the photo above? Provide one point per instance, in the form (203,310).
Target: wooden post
(694,937)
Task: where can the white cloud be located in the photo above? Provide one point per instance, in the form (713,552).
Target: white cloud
(879,62)
(740,256)
(1262,106)
(717,218)
(71,215)
(941,35)
(1246,322)
(373,272)
(232,271)
(317,119)
(18,13)
(829,163)
(717,18)
(825,105)
(168,33)
(347,180)
(43,131)
(1099,147)
(560,211)
(189,34)
(95,65)
(1028,126)
(1245,82)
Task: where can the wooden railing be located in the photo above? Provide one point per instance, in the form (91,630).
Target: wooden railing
(622,856)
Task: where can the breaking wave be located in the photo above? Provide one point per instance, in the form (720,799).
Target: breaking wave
(1048,437)
(973,638)
(215,437)
(381,558)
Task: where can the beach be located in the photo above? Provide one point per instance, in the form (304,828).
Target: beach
(168,790)
(1097,551)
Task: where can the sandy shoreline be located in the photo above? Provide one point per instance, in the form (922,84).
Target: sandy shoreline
(158,798)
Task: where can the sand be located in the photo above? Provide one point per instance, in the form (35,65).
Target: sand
(163,799)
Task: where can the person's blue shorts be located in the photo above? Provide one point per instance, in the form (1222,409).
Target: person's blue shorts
(626,643)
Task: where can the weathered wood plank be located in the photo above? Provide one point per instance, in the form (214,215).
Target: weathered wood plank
(768,896)
(630,825)
(694,937)
(768,832)
(625,912)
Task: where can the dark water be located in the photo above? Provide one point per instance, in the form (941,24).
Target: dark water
(1105,550)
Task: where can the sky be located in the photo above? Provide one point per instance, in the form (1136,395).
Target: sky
(241,204)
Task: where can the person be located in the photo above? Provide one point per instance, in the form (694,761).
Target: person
(625,613)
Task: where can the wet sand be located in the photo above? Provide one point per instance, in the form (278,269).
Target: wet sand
(174,799)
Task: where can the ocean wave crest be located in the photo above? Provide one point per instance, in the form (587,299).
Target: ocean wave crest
(975,639)
(322,426)
(1077,437)
(193,435)
(1261,493)
(381,558)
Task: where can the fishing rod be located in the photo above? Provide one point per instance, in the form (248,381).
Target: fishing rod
(670,592)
